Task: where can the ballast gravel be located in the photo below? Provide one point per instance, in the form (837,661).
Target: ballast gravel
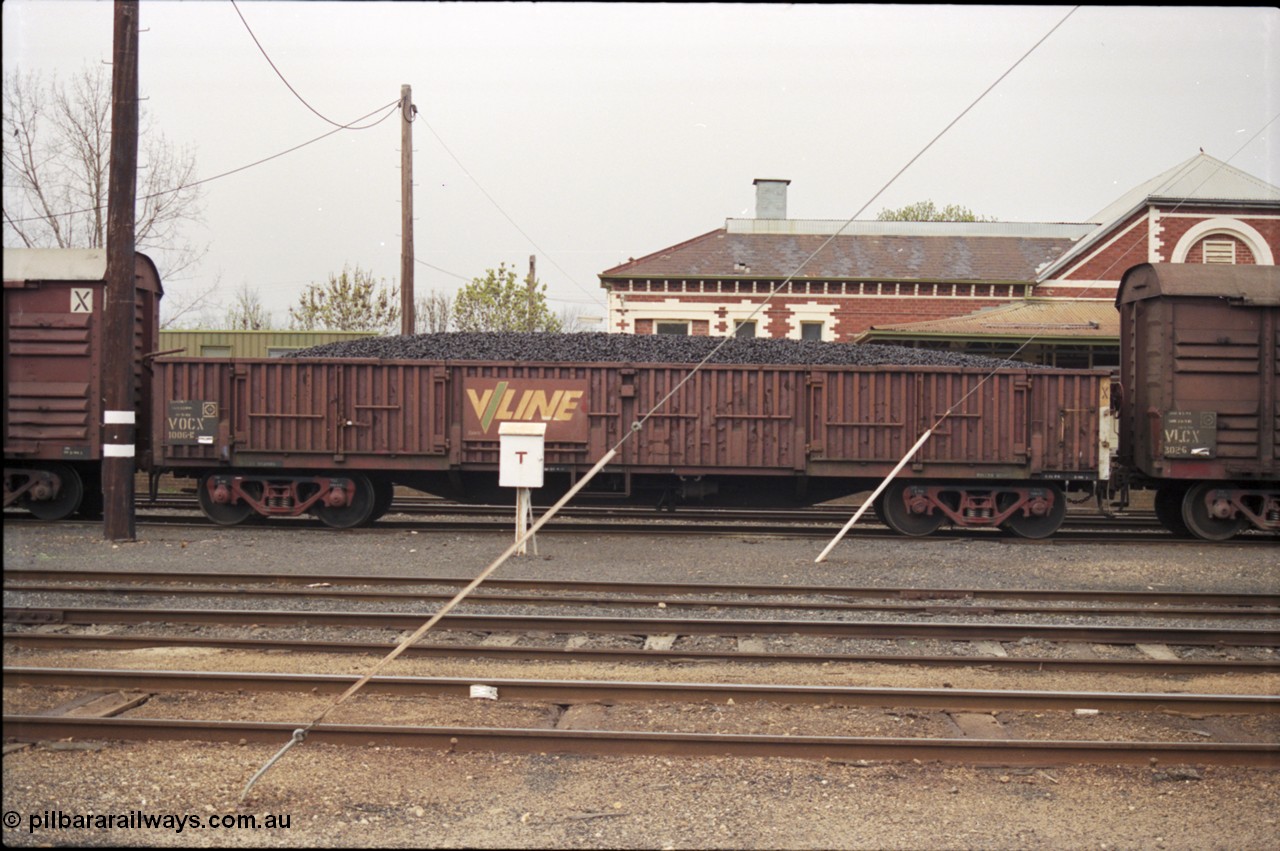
(392,797)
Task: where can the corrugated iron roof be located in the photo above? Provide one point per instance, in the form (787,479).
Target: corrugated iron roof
(723,254)
(1055,318)
(1201,178)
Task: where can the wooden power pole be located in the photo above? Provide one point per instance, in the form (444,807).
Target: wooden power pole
(407,112)
(533,279)
(119,408)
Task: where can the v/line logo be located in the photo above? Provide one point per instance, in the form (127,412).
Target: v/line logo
(505,403)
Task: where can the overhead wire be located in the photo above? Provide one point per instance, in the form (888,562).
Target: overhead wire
(595,298)
(279,74)
(391,111)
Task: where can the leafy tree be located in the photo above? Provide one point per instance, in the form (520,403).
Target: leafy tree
(927,211)
(500,302)
(57,154)
(432,313)
(247,313)
(352,301)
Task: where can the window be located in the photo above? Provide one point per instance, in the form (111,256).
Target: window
(215,351)
(281,351)
(680,328)
(1219,251)
(745,329)
(811,331)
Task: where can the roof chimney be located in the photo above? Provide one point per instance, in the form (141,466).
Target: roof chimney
(771,198)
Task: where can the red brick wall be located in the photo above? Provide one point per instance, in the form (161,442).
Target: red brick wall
(1109,264)
(852,315)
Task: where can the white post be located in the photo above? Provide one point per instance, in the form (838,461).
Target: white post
(520,467)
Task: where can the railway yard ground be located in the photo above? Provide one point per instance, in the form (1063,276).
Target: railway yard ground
(816,760)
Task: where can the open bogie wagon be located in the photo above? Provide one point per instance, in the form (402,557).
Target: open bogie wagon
(333,436)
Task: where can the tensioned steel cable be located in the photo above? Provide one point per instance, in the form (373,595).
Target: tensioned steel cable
(300,734)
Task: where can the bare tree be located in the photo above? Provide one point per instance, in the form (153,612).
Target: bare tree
(433,313)
(351,301)
(247,312)
(57,147)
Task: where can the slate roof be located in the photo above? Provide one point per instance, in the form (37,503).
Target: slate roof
(878,257)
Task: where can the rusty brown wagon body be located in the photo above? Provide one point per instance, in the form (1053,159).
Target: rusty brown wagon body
(334,435)
(1201,393)
(54,305)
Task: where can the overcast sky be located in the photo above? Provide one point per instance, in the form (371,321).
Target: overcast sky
(586,134)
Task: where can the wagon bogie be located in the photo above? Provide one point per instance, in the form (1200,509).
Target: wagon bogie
(1029,510)
(341,500)
(49,491)
(1216,511)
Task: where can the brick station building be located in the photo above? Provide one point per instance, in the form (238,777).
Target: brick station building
(842,281)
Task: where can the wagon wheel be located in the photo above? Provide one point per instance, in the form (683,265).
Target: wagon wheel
(1202,524)
(878,508)
(354,513)
(1168,505)
(383,494)
(1038,526)
(899,517)
(65,502)
(224,514)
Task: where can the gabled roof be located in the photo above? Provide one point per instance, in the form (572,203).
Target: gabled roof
(1200,180)
(1045,319)
(907,252)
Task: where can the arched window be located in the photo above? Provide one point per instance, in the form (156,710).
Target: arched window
(1222,240)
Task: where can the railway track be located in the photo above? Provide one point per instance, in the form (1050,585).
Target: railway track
(917,601)
(1081,528)
(910,615)
(656,625)
(1001,752)
(569,692)
(43,641)
(951,703)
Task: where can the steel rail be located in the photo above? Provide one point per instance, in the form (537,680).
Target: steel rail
(75,641)
(1105,634)
(565,692)
(1067,537)
(591,742)
(296,593)
(810,514)
(666,589)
